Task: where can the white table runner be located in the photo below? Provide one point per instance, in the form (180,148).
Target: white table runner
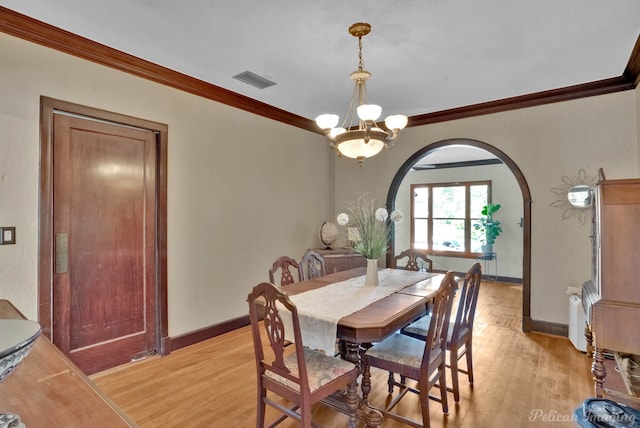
(319,310)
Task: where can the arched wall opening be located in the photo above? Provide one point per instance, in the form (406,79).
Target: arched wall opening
(526,208)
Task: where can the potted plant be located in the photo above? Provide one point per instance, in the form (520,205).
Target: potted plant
(373,232)
(489,227)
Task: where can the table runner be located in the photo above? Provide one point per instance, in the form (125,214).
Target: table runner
(319,310)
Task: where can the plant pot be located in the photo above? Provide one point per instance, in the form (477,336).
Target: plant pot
(487,249)
(372,273)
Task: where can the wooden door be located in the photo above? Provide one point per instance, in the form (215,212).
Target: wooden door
(104,230)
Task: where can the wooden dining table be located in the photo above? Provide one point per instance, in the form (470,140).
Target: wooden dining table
(373,323)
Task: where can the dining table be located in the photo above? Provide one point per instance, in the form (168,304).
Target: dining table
(339,306)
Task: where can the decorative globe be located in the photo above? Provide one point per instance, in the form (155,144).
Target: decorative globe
(328,233)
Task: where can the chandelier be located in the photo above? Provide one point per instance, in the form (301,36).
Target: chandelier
(367,139)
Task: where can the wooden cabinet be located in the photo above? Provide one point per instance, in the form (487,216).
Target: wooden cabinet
(612,297)
(48,390)
(339,259)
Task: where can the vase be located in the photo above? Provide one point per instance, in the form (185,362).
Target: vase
(372,273)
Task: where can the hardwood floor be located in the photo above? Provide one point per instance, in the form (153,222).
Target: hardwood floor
(521,380)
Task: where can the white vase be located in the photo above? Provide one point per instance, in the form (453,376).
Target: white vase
(372,273)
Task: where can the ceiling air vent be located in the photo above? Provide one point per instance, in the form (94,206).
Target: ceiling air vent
(254,80)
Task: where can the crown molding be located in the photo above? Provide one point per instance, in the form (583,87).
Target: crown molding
(27,28)
(600,87)
(632,70)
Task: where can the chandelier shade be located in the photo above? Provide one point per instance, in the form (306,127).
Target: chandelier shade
(367,138)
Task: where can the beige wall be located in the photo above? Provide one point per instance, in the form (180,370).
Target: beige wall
(242,189)
(546,142)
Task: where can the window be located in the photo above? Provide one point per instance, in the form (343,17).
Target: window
(443,214)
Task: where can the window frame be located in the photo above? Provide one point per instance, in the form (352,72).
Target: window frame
(468,219)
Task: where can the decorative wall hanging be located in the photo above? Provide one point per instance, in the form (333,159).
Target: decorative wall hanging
(576,194)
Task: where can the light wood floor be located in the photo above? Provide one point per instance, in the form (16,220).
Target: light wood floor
(521,380)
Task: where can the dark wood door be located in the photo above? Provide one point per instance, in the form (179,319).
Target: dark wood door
(104,226)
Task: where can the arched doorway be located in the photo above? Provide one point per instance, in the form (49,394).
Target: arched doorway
(526,205)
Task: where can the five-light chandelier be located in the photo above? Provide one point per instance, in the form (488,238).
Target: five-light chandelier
(367,139)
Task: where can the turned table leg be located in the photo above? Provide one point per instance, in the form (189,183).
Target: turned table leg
(372,418)
(351,353)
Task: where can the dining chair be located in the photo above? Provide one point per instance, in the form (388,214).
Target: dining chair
(304,376)
(284,265)
(460,336)
(417,259)
(313,262)
(422,361)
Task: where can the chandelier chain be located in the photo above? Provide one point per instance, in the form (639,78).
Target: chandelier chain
(360,60)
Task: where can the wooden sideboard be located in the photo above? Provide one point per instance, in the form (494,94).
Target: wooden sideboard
(48,390)
(339,259)
(612,297)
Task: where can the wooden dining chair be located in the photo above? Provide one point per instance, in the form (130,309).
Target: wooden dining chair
(284,266)
(304,376)
(417,259)
(313,263)
(460,336)
(412,358)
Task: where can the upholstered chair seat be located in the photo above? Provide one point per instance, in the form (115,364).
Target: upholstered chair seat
(421,326)
(321,369)
(403,350)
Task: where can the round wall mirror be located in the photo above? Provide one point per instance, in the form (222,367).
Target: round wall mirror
(580,196)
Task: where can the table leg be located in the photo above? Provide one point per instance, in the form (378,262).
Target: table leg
(352,353)
(366,383)
(371,417)
(342,349)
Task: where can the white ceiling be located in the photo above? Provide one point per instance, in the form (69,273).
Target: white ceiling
(425,55)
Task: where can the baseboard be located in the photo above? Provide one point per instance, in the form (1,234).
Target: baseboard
(205,333)
(553,328)
(508,279)
(191,338)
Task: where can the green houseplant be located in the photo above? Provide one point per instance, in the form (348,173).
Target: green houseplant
(489,227)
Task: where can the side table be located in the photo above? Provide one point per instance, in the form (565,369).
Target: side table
(339,259)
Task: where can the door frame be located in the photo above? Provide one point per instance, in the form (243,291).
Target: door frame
(45,227)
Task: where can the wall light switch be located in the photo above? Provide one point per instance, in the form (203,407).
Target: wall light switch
(7,235)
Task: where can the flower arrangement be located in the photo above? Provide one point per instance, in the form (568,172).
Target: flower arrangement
(371,223)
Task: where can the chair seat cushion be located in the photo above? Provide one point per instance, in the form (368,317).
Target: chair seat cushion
(401,349)
(321,369)
(421,327)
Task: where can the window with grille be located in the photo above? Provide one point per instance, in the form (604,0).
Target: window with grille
(443,214)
